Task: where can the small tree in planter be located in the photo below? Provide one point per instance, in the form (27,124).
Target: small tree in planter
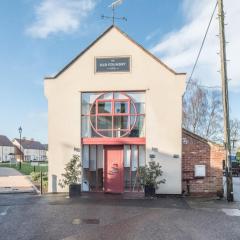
(149,177)
(71,176)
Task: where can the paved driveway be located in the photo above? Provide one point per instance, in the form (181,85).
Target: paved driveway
(236,188)
(55,217)
(13,181)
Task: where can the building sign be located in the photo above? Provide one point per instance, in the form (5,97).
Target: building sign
(113,64)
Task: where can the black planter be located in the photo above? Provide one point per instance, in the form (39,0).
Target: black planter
(74,190)
(149,191)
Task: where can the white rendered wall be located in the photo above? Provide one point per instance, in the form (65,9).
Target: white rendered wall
(35,154)
(164,91)
(4,153)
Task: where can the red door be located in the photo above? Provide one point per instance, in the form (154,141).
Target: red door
(113,169)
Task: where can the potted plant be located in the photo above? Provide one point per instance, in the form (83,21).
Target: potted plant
(71,177)
(150,178)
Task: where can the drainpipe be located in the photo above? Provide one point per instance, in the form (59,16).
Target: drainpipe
(188,186)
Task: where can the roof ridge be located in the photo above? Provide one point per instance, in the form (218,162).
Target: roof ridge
(148,52)
(196,136)
(30,144)
(5,141)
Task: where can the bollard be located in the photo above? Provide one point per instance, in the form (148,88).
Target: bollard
(41,185)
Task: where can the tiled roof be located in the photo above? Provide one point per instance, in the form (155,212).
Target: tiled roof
(202,139)
(31,144)
(4,141)
(194,135)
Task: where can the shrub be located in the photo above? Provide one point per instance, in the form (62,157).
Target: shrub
(35,176)
(150,174)
(72,172)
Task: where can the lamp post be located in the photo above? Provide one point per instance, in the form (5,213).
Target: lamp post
(20,134)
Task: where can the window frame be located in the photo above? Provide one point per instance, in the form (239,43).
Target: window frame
(128,100)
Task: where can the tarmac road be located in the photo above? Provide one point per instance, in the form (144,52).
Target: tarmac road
(28,216)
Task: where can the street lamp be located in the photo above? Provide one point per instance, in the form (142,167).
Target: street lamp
(20,134)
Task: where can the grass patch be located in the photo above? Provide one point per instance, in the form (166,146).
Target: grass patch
(36,179)
(26,167)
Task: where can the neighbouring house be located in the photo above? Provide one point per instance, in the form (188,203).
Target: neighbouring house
(29,150)
(202,165)
(234,151)
(46,148)
(7,149)
(118,106)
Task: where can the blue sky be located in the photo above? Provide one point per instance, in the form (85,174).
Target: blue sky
(39,37)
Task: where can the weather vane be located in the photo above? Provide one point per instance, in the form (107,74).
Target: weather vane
(113,17)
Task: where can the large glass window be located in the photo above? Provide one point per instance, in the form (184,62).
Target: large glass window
(92,156)
(104,107)
(121,107)
(121,122)
(134,158)
(113,114)
(93,165)
(104,123)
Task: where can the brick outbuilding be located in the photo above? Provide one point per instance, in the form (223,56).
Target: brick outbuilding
(201,165)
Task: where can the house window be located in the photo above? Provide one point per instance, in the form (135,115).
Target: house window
(93,165)
(27,158)
(134,158)
(104,107)
(114,114)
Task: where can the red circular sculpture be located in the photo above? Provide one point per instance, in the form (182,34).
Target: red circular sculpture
(97,113)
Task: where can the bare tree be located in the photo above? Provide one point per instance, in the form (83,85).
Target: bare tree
(213,123)
(202,112)
(235,132)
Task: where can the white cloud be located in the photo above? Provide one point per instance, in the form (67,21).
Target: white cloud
(179,48)
(53,16)
(153,34)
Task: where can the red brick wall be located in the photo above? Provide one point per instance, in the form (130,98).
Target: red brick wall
(218,154)
(198,151)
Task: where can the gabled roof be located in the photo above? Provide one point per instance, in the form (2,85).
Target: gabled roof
(194,135)
(102,35)
(31,144)
(199,138)
(4,141)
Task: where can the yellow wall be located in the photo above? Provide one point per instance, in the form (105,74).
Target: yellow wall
(164,91)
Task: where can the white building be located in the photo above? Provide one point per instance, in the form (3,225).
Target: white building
(30,150)
(121,106)
(7,149)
